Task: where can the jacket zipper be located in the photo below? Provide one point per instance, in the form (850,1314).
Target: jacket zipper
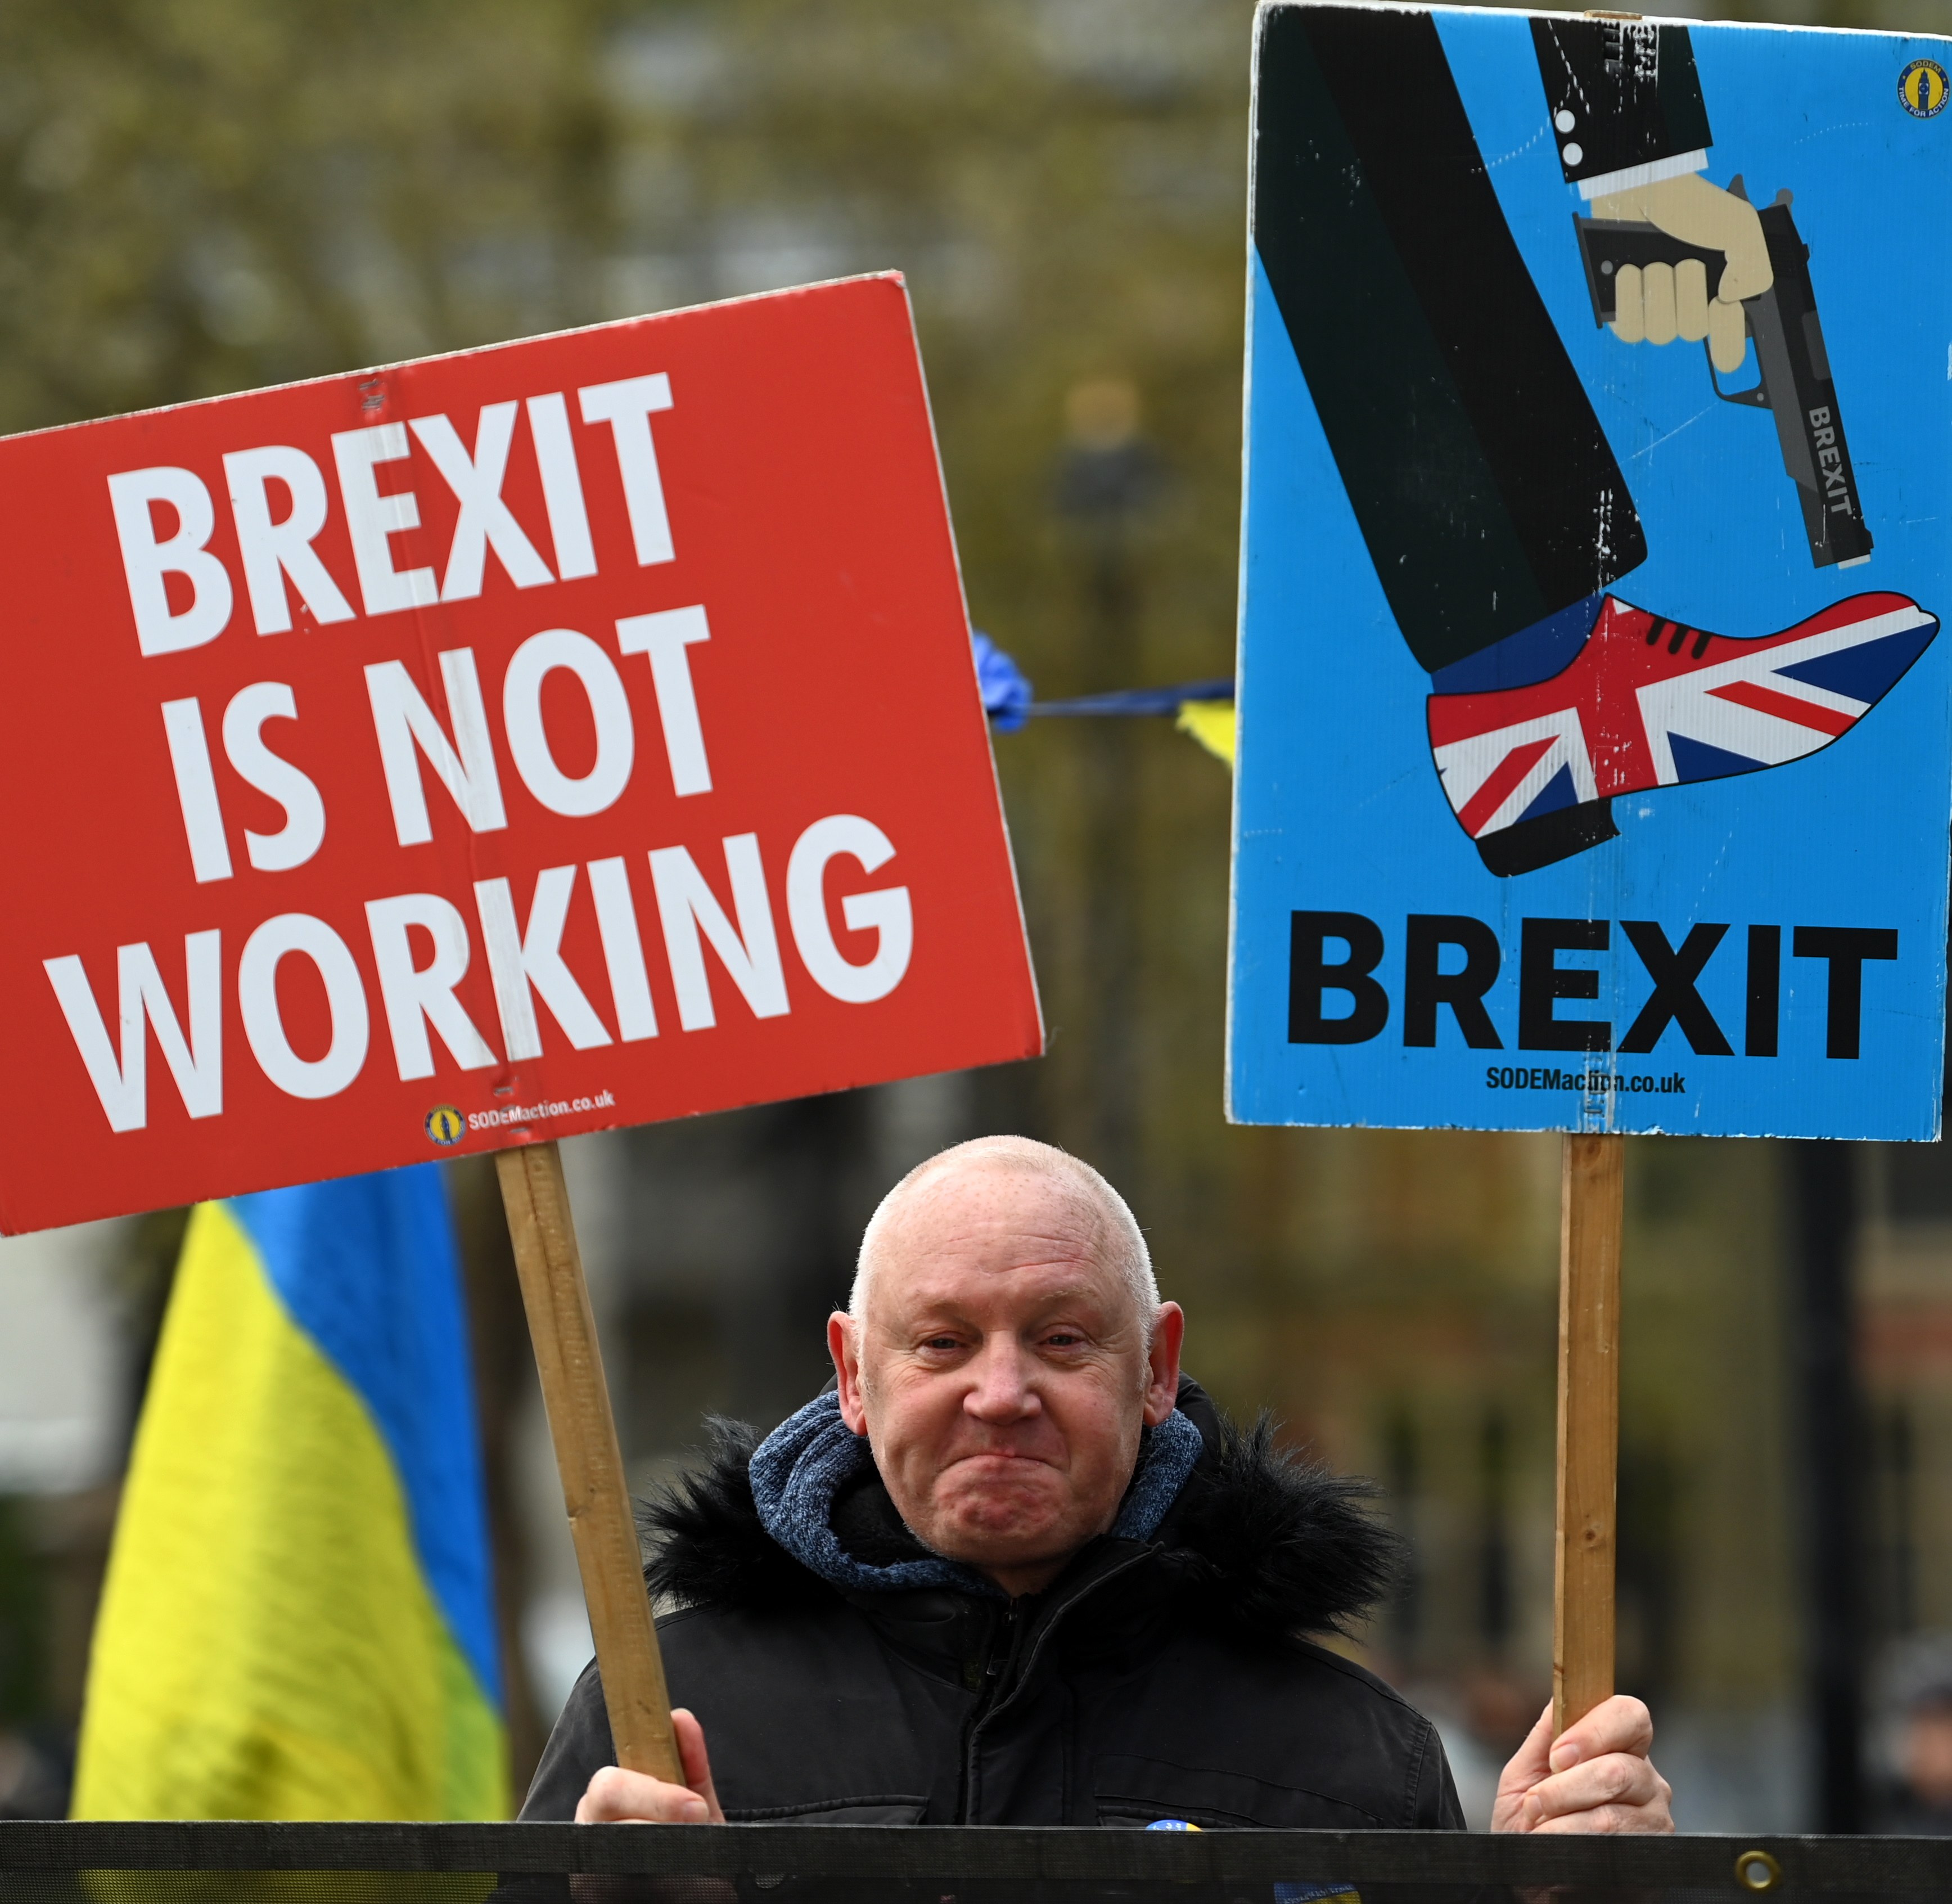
(996,1658)
(1003,1675)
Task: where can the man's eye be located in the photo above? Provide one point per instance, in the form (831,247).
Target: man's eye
(941,1342)
(1064,1338)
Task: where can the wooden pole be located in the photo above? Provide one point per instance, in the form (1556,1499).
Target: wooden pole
(577,1400)
(1592,1177)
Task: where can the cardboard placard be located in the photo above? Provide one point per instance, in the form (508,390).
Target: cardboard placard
(1594,748)
(485,749)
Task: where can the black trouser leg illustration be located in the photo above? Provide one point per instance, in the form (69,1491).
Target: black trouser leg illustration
(1493,507)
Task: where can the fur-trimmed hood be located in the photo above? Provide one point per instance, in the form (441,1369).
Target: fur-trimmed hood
(1259,1546)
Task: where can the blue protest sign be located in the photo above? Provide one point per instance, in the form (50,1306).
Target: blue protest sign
(1594,770)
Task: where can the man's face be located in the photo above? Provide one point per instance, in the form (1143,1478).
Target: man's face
(1002,1372)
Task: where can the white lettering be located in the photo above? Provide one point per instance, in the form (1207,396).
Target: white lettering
(533,957)
(609,773)
(627,407)
(147,561)
(264,1024)
(418,996)
(622,950)
(687,906)
(271,551)
(401,720)
(484,521)
(887,912)
(664,636)
(196,790)
(562,487)
(121,1083)
(304,830)
(372,518)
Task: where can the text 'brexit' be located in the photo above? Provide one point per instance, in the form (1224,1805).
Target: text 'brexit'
(1450,962)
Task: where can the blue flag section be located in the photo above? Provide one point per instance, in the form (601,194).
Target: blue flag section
(1594,769)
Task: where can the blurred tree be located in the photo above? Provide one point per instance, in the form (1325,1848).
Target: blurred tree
(202,195)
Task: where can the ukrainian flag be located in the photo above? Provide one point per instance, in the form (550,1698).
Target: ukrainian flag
(298,1620)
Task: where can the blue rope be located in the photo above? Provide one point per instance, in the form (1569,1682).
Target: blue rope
(1139,700)
(1007,693)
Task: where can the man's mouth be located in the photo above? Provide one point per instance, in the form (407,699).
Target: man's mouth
(1003,1459)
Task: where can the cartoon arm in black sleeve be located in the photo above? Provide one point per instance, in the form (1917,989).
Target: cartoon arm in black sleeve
(1632,134)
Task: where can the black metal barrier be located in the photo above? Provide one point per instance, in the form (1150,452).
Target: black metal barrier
(173,1863)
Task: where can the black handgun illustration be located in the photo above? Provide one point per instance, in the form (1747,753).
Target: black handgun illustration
(1795,383)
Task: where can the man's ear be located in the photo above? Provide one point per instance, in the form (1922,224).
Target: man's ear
(843,1345)
(1162,1363)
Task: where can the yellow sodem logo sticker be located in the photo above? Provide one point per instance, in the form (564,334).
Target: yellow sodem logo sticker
(1922,87)
(445,1124)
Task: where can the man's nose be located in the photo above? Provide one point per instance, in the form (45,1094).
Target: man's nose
(1001,1390)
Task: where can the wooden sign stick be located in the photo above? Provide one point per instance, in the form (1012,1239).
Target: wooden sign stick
(577,1400)
(1592,1176)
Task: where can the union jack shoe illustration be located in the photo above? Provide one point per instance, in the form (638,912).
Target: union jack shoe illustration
(1649,703)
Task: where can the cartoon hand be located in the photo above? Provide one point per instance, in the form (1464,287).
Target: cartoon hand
(1666,302)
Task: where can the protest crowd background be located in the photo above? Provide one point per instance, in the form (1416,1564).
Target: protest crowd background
(207,196)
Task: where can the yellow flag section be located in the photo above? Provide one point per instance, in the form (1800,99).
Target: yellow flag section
(1211,723)
(298,1621)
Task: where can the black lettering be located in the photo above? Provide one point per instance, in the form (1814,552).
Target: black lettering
(1846,947)
(1674,970)
(1309,975)
(1542,982)
(1426,987)
(1758,1035)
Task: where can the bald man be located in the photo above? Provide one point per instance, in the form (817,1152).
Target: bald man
(1014,1568)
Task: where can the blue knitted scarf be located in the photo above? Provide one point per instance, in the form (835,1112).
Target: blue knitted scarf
(799,1468)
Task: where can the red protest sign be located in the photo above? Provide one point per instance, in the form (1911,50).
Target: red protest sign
(571,734)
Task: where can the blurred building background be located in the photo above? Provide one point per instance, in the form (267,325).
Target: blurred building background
(204,195)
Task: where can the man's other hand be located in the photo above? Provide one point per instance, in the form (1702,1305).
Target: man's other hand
(618,1797)
(1595,1777)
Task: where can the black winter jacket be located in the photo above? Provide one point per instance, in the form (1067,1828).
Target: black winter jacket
(1166,1679)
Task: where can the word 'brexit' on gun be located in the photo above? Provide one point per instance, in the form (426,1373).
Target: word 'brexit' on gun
(1795,383)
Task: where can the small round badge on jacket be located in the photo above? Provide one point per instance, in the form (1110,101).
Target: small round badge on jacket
(1171,1824)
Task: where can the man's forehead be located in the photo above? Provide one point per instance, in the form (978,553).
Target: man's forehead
(978,1233)
(1029,1283)
(992,1203)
